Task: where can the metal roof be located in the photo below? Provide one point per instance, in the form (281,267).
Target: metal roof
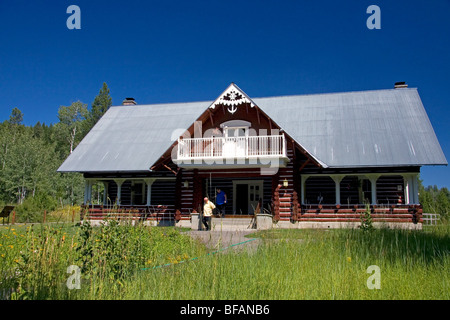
(359,129)
(376,128)
(131,138)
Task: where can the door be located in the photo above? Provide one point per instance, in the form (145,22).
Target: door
(241,199)
(246,195)
(254,196)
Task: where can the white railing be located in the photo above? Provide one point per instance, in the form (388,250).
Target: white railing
(431,218)
(232,147)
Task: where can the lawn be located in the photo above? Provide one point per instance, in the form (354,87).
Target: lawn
(138,262)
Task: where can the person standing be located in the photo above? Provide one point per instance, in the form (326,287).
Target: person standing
(221,200)
(208,208)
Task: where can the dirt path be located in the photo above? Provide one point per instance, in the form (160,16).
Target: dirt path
(228,239)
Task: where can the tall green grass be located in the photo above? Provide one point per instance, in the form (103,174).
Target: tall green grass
(34,259)
(136,262)
(315,264)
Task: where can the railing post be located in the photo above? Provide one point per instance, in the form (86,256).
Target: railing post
(212,146)
(246,146)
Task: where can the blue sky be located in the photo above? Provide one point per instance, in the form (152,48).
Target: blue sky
(171,51)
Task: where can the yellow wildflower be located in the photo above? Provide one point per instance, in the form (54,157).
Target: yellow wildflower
(349,259)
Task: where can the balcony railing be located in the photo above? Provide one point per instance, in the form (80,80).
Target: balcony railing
(232,147)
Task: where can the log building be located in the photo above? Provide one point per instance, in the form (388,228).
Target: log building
(301,158)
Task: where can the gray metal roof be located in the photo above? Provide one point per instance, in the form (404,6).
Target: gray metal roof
(350,129)
(359,129)
(131,138)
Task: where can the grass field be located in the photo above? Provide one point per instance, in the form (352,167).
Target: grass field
(137,262)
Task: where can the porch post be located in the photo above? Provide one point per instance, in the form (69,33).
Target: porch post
(411,188)
(407,182)
(105,192)
(90,190)
(86,190)
(337,180)
(149,183)
(373,183)
(303,186)
(415,188)
(119,183)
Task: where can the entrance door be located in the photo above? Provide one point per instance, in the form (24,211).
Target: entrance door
(241,199)
(254,196)
(246,195)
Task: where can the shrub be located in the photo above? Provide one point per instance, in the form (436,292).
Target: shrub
(32,209)
(366,220)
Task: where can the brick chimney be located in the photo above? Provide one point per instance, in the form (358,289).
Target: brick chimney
(129,102)
(401,84)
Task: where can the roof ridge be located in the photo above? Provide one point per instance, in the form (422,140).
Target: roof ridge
(338,92)
(272,97)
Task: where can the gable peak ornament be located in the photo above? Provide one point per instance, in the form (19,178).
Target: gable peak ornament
(232,97)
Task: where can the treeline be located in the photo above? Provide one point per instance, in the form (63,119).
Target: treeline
(435,200)
(30,156)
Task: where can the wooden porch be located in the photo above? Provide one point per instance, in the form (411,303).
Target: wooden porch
(344,213)
(310,213)
(156,213)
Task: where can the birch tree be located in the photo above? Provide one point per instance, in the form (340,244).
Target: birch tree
(72,122)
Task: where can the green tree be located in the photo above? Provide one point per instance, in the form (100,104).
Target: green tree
(38,131)
(72,124)
(29,167)
(16,116)
(435,200)
(101,104)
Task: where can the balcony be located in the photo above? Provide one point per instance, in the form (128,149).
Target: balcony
(232,151)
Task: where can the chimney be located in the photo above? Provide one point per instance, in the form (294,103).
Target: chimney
(129,102)
(401,84)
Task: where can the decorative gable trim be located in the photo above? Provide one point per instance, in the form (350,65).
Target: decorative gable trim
(232,97)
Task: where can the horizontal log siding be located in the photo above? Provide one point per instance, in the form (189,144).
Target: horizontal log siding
(163,192)
(387,192)
(187,194)
(395,213)
(320,186)
(286,194)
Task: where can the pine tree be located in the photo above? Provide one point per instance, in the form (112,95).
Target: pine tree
(16,116)
(101,104)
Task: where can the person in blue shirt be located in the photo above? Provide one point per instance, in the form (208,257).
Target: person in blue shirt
(221,201)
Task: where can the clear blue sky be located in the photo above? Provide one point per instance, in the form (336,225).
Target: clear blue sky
(171,51)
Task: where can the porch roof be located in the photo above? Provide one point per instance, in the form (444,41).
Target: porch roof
(350,129)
